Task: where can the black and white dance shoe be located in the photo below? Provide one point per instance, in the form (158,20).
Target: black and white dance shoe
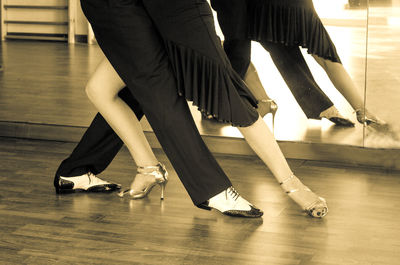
(229,202)
(333,114)
(87,182)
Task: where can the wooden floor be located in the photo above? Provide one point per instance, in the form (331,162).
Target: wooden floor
(39,227)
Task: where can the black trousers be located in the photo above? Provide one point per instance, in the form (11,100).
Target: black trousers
(130,41)
(293,68)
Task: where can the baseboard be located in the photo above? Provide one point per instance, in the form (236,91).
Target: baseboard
(347,155)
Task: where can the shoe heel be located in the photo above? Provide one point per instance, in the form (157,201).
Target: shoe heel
(317,209)
(204,206)
(64,186)
(273,109)
(273,112)
(162,185)
(121,194)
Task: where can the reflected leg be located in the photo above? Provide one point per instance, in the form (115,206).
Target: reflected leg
(238,52)
(294,70)
(346,86)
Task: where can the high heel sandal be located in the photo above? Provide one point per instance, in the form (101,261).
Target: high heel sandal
(265,104)
(292,186)
(160,175)
(271,106)
(366,118)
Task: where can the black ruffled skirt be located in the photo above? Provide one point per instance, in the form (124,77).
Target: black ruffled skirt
(290,22)
(203,72)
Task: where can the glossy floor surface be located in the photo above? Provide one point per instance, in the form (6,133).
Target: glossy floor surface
(39,227)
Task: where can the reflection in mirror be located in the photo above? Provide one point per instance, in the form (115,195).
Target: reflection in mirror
(346,27)
(383,72)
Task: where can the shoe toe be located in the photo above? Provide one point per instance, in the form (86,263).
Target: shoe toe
(252,213)
(63,186)
(342,122)
(320,210)
(104,187)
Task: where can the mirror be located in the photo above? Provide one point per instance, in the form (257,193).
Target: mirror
(365,33)
(347,27)
(383,71)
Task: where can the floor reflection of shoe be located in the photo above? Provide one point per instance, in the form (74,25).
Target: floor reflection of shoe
(207,116)
(86,182)
(157,174)
(229,202)
(311,203)
(334,116)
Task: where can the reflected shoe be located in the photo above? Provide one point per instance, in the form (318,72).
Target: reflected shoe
(229,202)
(266,106)
(86,182)
(205,116)
(265,103)
(366,118)
(311,203)
(158,175)
(334,116)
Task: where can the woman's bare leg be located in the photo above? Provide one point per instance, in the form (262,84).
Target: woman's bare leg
(342,81)
(261,140)
(102,90)
(265,103)
(263,143)
(345,85)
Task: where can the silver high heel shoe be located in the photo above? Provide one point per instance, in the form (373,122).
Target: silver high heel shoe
(366,118)
(160,175)
(271,106)
(292,186)
(265,103)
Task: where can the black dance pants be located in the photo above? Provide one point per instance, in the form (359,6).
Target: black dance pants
(293,68)
(131,43)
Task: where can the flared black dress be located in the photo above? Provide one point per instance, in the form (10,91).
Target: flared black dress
(203,71)
(291,22)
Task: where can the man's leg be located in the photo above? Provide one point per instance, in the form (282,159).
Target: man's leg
(99,144)
(298,77)
(239,54)
(137,53)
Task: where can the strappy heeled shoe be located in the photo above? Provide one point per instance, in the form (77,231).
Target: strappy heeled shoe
(160,175)
(366,118)
(311,203)
(266,106)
